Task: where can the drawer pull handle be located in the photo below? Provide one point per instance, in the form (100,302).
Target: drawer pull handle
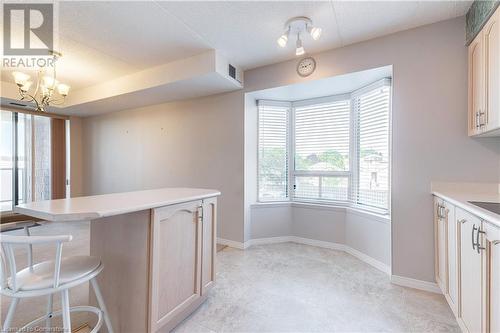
(462,221)
(496,242)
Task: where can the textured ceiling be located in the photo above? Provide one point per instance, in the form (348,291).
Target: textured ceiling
(102,40)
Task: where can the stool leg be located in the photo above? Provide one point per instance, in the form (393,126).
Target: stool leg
(48,321)
(10,314)
(65,311)
(102,306)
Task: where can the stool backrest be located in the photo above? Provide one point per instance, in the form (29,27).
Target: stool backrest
(9,260)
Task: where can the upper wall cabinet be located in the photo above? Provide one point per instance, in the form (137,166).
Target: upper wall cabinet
(484,80)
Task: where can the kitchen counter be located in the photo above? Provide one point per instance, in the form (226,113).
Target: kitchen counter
(97,206)
(460,198)
(158,248)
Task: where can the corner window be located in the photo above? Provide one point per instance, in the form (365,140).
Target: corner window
(333,149)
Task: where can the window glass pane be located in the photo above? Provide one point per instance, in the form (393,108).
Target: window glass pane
(322,137)
(373,147)
(6,166)
(273,157)
(41,138)
(307,187)
(328,188)
(335,188)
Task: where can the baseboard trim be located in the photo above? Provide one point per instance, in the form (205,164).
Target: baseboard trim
(231,243)
(369,260)
(415,284)
(396,279)
(313,242)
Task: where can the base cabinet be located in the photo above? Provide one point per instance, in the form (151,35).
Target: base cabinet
(468,266)
(471,261)
(182,261)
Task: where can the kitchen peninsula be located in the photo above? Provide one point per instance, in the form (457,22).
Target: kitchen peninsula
(158,248)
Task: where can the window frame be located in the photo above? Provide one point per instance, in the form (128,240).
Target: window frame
(292,173)
(352,174)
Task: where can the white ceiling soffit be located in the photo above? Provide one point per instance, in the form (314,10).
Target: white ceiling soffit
(200,75)
(335,85)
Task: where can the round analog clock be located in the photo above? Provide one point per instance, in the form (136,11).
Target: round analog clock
(306,66)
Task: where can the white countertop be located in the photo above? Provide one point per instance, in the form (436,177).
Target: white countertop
(96,206)
(460,199)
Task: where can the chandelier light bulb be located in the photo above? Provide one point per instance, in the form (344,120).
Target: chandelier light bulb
(49,82)
(20,78)
(63,89)
(299,48)
(315,32)
(26,86)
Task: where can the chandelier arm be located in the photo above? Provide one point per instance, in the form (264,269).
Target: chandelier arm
(38,79)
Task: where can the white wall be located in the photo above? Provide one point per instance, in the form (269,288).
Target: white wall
(203,144)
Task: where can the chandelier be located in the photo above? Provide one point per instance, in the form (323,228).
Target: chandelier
(297,26)
(43,95)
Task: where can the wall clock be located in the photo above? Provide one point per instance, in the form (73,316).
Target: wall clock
(306,66)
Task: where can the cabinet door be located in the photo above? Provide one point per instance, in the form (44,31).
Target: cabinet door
(491,119)
(175,261)
(476,84)
(209,248)
(492,280)
(452,257)
(441,246)
(471,298)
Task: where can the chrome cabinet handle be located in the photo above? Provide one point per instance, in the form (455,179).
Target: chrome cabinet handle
(496,242)
(478,244)
(462,221)
(473,244)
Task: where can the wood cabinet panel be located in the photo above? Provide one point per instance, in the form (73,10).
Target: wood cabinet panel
(209,247)
(441,245)
(491,118)
(471,266)
(492,279)
(452,256)
(176,236)
(476,84)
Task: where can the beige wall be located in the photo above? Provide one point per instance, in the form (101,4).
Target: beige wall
(195,143)
(200,142)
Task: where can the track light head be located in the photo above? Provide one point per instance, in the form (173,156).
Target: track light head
(299,50)
(315,32)
(283,40)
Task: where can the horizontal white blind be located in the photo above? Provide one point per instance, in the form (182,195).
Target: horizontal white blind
(322,136)
(273,151)
(321,133)
(372,108)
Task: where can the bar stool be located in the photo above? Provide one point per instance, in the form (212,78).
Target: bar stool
(48,278)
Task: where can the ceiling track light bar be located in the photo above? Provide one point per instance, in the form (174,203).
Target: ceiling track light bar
(297,26)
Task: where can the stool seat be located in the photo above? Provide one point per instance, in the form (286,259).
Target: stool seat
(41,275)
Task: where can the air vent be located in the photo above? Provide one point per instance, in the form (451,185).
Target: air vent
(232,71)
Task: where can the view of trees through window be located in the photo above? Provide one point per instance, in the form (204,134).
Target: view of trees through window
(339,151)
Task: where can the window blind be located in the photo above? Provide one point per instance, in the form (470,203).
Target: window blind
(273,150)
(321,141)
(372,108)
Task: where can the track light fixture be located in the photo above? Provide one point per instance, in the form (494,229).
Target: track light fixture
(299,25)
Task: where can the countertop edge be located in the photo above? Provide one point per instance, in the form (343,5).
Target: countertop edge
(479,212)
(92,215)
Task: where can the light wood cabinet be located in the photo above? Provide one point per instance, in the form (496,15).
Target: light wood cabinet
(491,30)
(176,261)
(476,84)
(492,277)
(471,271)
(183,256)
(446,251)
(484,80)
(209,244)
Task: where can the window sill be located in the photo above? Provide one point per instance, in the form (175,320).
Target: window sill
(336,207)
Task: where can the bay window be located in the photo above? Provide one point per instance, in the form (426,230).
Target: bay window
(333,149)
